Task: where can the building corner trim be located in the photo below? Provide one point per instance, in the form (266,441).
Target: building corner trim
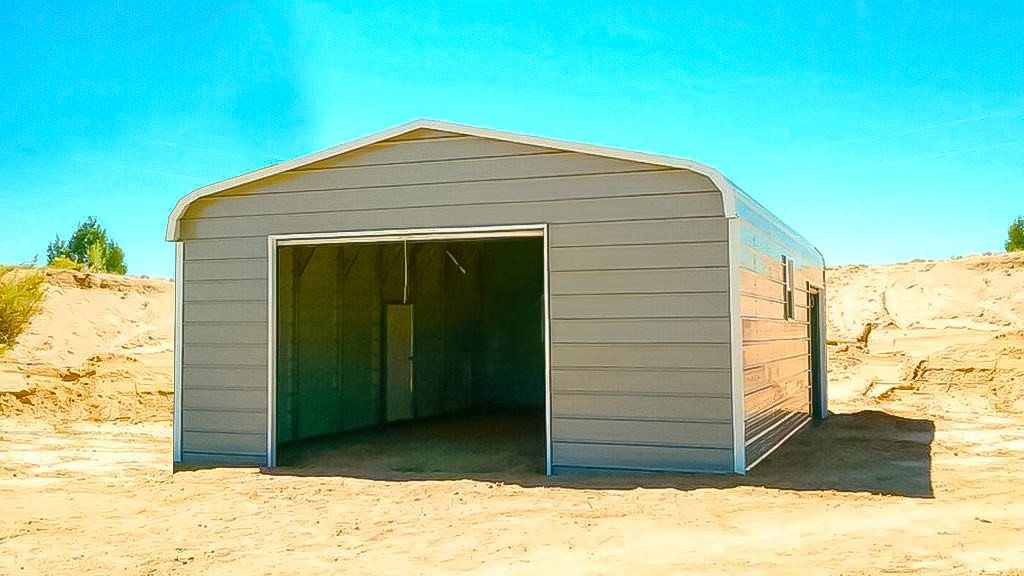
(179,295)
(739,447)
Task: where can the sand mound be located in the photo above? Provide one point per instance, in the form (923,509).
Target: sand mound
(954,328)
(981,293)
(100,349)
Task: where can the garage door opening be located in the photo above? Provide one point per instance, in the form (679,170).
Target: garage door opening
(427,353)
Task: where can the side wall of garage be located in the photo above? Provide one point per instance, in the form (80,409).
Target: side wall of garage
(776,344)
(639,273)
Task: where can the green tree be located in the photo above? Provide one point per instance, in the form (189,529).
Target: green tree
(90,246)
(1015,242)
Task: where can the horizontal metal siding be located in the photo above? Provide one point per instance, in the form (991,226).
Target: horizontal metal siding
(658,305)
(227,290)
(648,355)
(642,381)
(247,446)
(637,256)
(641,330)
(427,150)
(638,407)
(662,231)
(663,433)
(225,377)
(638,456)
(302,192)
(244,332)
(659,281)
(460,215)
(226,400)
(639,281)
(776,351)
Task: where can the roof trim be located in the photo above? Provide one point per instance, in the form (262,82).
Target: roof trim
(728,190)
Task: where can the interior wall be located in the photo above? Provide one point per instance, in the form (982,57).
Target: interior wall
(478,329)
(512,346)
(329,340)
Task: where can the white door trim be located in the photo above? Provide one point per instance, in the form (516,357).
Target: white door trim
(408,234)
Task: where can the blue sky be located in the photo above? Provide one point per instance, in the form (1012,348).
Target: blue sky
(882,131)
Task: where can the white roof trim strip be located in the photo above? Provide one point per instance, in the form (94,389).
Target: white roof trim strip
(728,190)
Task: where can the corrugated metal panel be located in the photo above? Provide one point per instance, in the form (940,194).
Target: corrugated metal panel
(226,311)
(429,150)
(220,332)
(460,215)
(642,408)
(659,281)
(522,167)
(645,381)
(776,350)
(229,248)
(702,434)
(643,330)
(654,290)
(667,231)
(224,440)
(226,290)
(608,185)
(226,354)
(641,457)
(613,305)
(223,458)
(649,355)
(227,378)
(209,420)
(638,256)
(225,269)
(221,399)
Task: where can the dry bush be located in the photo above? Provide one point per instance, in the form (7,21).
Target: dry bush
(65,263)
(21,292)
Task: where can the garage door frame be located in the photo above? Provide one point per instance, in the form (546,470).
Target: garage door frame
(274,241)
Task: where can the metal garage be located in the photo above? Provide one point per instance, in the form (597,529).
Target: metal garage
(652,314)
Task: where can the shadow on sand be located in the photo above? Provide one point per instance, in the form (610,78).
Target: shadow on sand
(867,451)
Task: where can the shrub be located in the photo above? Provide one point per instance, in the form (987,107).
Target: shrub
(66,263)
(89,246)
(21,292)
(1015,233)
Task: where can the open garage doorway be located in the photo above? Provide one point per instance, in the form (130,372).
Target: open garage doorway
(427,350)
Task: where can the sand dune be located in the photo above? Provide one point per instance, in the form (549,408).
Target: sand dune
(100,349)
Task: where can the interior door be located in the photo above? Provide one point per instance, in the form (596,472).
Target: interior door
(399,361)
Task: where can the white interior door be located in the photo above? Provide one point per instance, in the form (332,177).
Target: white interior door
(399,361)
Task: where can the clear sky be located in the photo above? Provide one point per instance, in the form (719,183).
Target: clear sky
(881,130)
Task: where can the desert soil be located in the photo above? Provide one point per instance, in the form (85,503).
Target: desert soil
(920,469)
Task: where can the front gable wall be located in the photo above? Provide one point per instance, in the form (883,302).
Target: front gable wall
(639,280)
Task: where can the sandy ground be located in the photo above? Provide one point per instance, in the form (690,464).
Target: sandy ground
(920,469)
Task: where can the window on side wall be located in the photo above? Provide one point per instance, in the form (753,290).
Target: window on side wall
(787,287)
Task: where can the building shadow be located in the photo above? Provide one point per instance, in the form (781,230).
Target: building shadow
(869,451)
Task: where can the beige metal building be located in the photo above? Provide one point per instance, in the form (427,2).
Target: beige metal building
(660,318)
